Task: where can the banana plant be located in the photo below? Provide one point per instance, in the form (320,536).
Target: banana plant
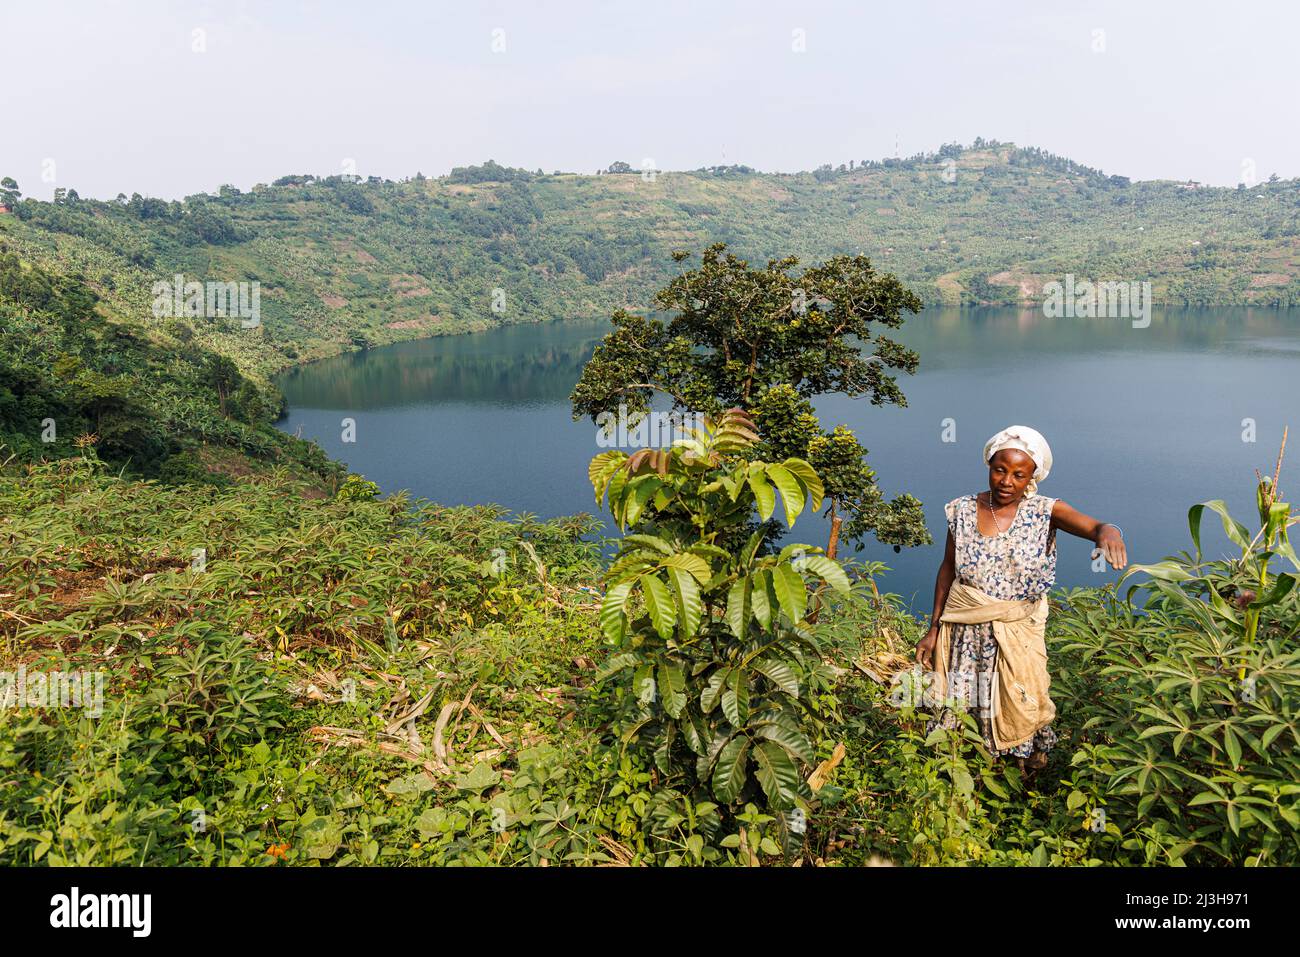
(715,639)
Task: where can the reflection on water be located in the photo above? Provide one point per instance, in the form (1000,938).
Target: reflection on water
(1142,422)
(511,366)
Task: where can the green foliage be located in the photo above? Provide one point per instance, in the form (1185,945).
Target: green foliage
(767,342)
(790,427)
(356,488)
(219,679)
(68,372)
(400,260)
(227,735)
(737,332)
(723,663)
(192,763)
(1191,751)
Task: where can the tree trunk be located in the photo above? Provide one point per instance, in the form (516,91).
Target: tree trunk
(833,545)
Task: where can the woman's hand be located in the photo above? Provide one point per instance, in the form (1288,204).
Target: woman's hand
(925,648)
(1111,544)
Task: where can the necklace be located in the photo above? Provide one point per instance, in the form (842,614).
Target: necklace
(996,523)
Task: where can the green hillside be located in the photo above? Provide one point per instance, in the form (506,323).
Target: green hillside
(292,670)
(342,264)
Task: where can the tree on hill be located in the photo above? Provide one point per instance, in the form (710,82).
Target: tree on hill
(489,172)
(767,341)
(222,376)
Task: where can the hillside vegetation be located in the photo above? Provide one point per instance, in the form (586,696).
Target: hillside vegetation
(345,263)
(346,680)
(296,671)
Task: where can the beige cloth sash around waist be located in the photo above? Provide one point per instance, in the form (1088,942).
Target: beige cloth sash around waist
(1020,702)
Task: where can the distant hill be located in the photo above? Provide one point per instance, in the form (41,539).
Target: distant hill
(341,264)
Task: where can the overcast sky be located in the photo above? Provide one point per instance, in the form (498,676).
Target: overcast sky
(119,96)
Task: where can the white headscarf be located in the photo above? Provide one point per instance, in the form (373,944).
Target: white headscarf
(1029,441)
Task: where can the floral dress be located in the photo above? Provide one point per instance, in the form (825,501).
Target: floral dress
(1018,564)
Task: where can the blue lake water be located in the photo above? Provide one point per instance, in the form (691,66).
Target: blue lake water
(1143,423)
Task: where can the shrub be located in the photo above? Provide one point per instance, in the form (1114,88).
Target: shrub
(1190,732)
(724,667)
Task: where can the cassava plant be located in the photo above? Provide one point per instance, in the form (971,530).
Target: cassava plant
(722,663)
(1235,595)
(1188,704)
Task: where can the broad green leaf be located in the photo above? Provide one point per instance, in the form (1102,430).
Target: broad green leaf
(807,475)
(664,748)
(790,739)
(729,773)
(615,488)
(689,604)
(735,697)
(790,590)
(962,781)
(644,686)
(751,549)
(777,774)
(672,687)
(412,784)
(693,564)
(1164,571)
(601,468)
(695,847)
(760,599)
(695,732)
(764,495)
(616,664)
(709,551)
(613,620)
(779,673)
(653,542)
(738,609)
(993,784)
(1235,531)
(1232,744)
(482,776)
(659,604)
(640,490)
(829,571)
(792,497)
(709,696)
(630,566)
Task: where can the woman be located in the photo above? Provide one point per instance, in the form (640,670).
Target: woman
(1001,553)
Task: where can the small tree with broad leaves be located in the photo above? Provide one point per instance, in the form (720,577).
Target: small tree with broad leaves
(720,669)
(767,341)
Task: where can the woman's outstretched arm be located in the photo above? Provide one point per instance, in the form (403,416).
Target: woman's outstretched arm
(942,584)
(1107,537)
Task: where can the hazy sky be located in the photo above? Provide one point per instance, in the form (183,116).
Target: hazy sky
(120,97)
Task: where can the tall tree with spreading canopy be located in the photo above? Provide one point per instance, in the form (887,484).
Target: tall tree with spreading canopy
(767,341)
